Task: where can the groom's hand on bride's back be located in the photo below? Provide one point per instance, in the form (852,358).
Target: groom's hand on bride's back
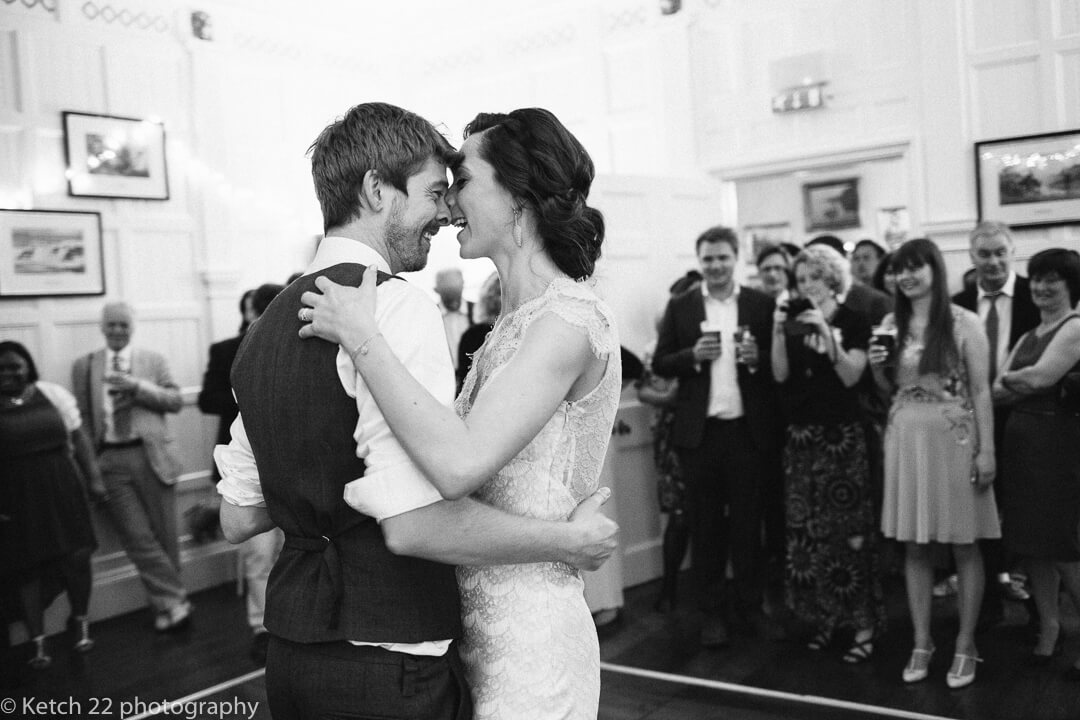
(596,532)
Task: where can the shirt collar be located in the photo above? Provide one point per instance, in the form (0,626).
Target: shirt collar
(124,354)
(334,250)
(1007,289)
(731,298)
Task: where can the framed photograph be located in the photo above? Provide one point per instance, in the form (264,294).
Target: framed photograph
(115,157)
(893,226)
(1029,180)
(756,237)
(832,205)
(46,253)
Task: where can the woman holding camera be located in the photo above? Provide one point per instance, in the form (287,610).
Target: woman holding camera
(939,448)
(1041,458)
(818,355)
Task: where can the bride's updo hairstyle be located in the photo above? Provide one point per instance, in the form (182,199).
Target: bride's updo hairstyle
(544,166)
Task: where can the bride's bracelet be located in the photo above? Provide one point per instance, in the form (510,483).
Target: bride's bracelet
(363,348)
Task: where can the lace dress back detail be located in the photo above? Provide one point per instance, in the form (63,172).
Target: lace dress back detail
(529,645)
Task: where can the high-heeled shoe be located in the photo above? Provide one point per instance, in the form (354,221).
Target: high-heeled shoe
(918,666)
(1037,659)
(964,672)
(40,661)
(79,625)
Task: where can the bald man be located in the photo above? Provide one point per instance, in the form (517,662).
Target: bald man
(123,395)
(449,283)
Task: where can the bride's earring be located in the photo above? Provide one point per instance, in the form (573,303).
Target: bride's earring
(517,228)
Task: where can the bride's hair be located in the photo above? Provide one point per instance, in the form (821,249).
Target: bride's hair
(543,165)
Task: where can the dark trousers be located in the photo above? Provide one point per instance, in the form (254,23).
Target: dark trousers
(723,484)
(308,681)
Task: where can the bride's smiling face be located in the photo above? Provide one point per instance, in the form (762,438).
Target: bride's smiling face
(480,207)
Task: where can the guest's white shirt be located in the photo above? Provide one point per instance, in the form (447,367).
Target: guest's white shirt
(1004,304)
(391,484)
(725,400)
(455,323)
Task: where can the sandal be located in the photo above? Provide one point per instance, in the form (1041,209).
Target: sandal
(957,678)
(918,666)
(820,641)
(860,652)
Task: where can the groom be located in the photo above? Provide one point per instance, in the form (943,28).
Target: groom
(363,610)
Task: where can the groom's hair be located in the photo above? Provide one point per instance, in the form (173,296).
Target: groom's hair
(393,142)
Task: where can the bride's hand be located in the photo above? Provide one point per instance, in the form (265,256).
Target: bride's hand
(597,532)
(341,314)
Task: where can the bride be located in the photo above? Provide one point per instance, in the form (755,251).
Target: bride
(534,416)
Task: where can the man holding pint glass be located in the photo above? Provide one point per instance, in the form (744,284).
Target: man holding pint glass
(726,427)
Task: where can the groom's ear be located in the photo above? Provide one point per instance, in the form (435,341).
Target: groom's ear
(372,189)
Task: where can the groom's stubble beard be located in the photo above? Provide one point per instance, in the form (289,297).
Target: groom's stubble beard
(405,242)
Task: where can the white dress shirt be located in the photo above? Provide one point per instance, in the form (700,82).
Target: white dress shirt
(1004,304)
(392,484)
(455,322)
(725,400)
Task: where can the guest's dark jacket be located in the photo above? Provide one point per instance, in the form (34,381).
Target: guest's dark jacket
(674,357)
(1025,316)
(216,396)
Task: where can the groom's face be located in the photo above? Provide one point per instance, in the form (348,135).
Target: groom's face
(415,217)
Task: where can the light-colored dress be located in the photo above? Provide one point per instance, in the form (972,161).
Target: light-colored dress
(529,644)
(930,445)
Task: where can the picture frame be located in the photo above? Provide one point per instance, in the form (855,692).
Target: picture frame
(893,225)
(50,253)
(831,205)
(115,157)
(1029,180)
(756,237)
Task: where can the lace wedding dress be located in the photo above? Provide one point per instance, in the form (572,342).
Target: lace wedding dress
(529,645)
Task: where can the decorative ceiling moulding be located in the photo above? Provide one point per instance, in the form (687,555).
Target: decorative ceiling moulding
(630,18)
(48,6)
(542,40)
(132,18)
(850,155)
(452,63)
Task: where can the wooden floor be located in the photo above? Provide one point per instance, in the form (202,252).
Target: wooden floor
(132,668)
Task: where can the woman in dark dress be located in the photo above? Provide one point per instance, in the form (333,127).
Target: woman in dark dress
(45,533)
(818,355)
(1041,456)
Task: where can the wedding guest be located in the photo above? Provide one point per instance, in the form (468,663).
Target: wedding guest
(818,357)
(939,448)
(46,537)
(1041,453)
(864,261)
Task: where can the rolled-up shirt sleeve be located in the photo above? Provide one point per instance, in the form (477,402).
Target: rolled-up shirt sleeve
(239,484)
(412,326)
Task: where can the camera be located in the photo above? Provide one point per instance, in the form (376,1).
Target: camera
(796,307)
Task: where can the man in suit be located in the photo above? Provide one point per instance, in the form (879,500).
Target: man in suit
(727,426)
(123,395)
(257,553)
(363,609)
(457,316)
(1003,301)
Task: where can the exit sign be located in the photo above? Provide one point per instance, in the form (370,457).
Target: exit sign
(806,97)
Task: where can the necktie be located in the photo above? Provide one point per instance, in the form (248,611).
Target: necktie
(121,416)
(992,333)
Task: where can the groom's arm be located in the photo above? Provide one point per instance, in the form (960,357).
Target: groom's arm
(467,532)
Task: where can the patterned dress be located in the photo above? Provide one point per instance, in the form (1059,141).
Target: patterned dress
(832,576)
(930,452)
(529,644)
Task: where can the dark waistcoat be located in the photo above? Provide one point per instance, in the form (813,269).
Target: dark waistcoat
(335,578)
